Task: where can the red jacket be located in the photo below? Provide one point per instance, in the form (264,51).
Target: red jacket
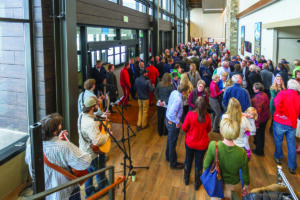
(196,133)
(124,78)
(152,74)
(214,90)
(287,107)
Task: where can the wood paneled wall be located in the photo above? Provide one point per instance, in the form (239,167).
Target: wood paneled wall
(105,13)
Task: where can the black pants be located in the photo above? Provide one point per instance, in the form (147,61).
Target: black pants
(112,100)
(267,91)
(260,138)
(132,90)
(161,126)
(189,157)
(184,112)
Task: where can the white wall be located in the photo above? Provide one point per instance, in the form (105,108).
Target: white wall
(207,25)
(271,13)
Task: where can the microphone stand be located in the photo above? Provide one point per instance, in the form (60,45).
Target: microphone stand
(123,140)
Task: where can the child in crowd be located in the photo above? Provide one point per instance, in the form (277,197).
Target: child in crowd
(175,80)
(251,115)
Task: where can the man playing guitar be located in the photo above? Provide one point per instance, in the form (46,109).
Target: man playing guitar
(61,153)
(89,136)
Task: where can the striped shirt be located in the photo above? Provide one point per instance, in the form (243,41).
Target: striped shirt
(64,154)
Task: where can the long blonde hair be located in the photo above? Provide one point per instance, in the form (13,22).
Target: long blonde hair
(185,81)
(193,72)
(234,110)
(277,87)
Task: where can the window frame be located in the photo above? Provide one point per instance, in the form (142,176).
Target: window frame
(18,146)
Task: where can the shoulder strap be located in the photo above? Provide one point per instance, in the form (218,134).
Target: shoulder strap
(217,162)
(79,130)
(82,97)
(59,169)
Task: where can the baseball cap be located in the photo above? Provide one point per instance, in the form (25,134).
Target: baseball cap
(284,62)
(90,101)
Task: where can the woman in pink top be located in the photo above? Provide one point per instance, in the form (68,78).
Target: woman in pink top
(196,125)
(214,101)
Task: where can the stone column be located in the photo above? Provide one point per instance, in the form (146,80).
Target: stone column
(232,9)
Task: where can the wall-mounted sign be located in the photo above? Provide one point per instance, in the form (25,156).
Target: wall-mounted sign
(125,19)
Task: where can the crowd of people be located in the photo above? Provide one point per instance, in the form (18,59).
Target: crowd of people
(199,89)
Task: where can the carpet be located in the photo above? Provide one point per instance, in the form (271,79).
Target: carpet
(131,113)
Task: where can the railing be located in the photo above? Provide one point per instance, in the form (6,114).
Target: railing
(111,178)
(282,180)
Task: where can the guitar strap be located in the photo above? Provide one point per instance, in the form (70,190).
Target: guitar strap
(82,97)
(80,119)
(59,169)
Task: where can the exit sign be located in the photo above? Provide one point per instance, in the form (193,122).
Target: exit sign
(125,19)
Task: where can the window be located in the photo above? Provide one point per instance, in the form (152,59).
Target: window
(127,34)
(130,4)
(15,61)
(100,34)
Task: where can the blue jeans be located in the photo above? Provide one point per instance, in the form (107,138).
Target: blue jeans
(173,133)
(189,157)
(75,195)
(97,163)
(279,131)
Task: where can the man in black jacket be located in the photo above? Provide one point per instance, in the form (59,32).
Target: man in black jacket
(254,77)
(143,87)
(99,74)
(160,68)
(137,66)
(112,86)
(132,77)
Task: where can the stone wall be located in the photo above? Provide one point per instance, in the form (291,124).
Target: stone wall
(232,9)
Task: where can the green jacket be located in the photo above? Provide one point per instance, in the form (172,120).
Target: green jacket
(231,160)
(272,105)
(175,70)
(296,68)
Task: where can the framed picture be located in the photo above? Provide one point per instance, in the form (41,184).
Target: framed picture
(248,46)
(257,40)
(242,40)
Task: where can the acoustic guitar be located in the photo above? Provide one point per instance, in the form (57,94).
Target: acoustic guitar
(105,148)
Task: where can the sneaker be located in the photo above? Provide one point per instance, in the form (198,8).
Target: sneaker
(278,161)
(292,171)
(178,166)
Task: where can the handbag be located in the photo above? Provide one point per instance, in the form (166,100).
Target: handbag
(211,178)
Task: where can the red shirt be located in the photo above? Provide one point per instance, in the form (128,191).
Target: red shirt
(152,74)
(261,103)
(124,78)
(287,107)
(214,90)
(196,133)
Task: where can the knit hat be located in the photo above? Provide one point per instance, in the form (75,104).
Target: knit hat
(90,101)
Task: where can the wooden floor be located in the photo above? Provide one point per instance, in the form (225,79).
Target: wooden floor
(160,182)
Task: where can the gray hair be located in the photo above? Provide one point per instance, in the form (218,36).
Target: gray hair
(253,67)
(235,78)
(293,85)
(215,76)
(224,63)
